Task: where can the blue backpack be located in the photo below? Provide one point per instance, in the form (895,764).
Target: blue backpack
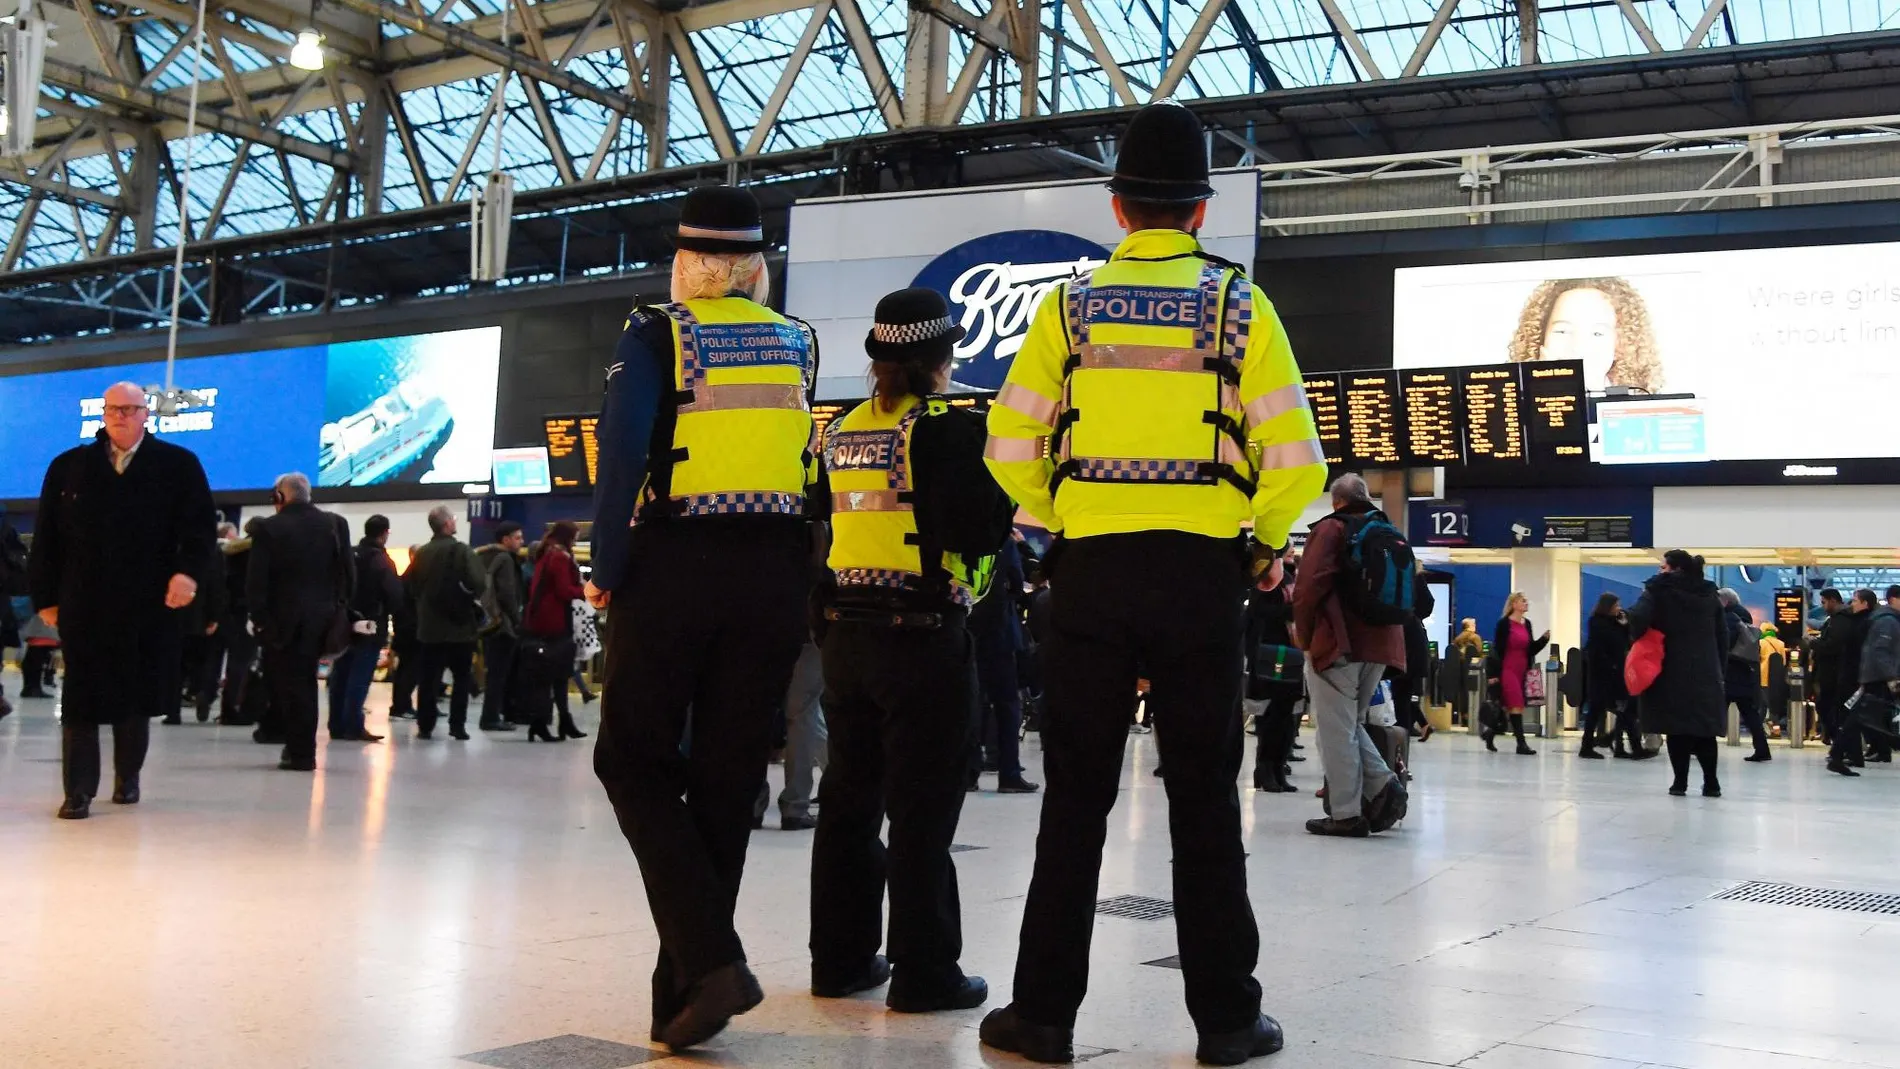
(1375,569)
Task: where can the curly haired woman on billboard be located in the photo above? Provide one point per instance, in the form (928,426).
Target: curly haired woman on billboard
(1601,321)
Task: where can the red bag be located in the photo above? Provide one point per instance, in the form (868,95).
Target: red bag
(1644,663)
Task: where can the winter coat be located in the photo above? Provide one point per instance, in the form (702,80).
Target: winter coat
(551,596)
(1742,675)
(379,594)
(1853,641)
(1824,653)
(1605,649)
(1326,628)
(505,598)
(1880,654)
(1688,697)
(443,561)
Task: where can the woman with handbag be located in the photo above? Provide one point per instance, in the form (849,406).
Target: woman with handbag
(1275,667)
(1519,679)
(1605,649)
(548,629)
(1685,701)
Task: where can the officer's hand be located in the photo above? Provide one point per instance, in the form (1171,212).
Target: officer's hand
(50,616)
(1265,569)
(597,597)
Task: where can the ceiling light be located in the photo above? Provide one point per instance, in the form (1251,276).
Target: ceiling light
(307,53)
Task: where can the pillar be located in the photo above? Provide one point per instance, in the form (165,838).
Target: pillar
(1553,580)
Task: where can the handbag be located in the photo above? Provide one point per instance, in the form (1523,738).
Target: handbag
(1644,662)
(1278,664)
(586,629)
(1534,684)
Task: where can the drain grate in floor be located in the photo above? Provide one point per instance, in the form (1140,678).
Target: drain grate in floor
(1135,907)
(1787,894)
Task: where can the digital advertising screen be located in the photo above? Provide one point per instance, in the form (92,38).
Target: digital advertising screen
(393,411)
(522,470)
(1724,350)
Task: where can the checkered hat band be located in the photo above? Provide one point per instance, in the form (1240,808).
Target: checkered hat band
(911,333)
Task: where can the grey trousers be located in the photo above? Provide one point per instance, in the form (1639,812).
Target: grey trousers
(1337,699)
(805,735)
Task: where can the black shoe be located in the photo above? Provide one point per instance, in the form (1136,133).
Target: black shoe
(173,719)
(540,733)
(1711,790)
(204,713)
(1260,1039)
(267,738)
(361,736)
(968,995)
(1840,769)
(459,734)
(569,730)
(877,974)
(1387,807)
(1355,828)
(1005,1031)
(1297,745)
(125,791)
(402,714)
(796,821)
(1761,755)
(496,725)
(288,765)
(1881,759)
(1857,762)
(587,696)
(1679,789)
(1272,781)
(425,733)
(1620,753)
(1644,755)
(6,709)
(75,807)
(1524,750)
(1019,786)
(716,999)
(1490,742)
(1590,755)
(31,692)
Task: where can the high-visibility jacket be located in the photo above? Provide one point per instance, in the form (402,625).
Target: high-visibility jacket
(743,437)
(1157,393)
(875,543)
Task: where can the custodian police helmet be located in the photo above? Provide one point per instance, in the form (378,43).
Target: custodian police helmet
(1163,157)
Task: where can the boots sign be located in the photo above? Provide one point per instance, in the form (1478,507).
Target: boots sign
(994,284)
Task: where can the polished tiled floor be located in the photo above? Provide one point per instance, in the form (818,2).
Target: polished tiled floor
(430,905)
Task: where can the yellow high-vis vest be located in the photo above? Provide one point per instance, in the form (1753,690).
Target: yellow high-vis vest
(874,538)
(743,437)
(1157,393)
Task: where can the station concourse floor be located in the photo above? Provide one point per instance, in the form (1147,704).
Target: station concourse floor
(432,905)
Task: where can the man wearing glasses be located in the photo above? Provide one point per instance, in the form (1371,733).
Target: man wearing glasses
(124,535)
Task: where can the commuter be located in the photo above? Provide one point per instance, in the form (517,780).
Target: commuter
(121,522)
(1513,665)
(711,588)
(549,623)
(807,741)
(1606,646)
(240,646)
(378,596)
(13,584)
(1468,640)
(996,625)
(1410,684)
(1880,677)
(1742,674)
(1149,575)
(445,583)
(916,528)
(301,575)
(1824,664)
(1847,753)
(501,633)
(1275,672)
(200,622)
(405,678)
(1686,701)
(37,672)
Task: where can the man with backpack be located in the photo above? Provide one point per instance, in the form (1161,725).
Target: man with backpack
(446,583)
(1349,608)
(1743,674)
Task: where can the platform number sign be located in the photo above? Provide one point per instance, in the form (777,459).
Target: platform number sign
(1447,523)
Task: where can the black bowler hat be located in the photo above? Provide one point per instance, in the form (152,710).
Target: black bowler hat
(720,219)
(912,324)
(1163,157)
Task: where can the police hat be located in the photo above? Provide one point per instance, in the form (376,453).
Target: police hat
(1163,157)
(720,219)
(912,324)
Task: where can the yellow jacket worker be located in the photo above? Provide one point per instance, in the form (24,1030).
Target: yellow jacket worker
(1154,409)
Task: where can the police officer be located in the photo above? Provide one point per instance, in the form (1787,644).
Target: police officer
(916,523)
(1174,413)
(701,543)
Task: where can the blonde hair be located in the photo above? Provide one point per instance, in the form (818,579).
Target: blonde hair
(1516,596)
(708,275)
(1636,364)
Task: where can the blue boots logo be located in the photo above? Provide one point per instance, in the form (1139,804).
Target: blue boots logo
(995,283)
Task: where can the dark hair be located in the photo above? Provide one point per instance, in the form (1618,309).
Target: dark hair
(251,526)
(563,534)
(1681,560)
(1830,594)
(1867,596)
(376,526)
(1606,604)
(893,380)
(1894,591)
(503,530)
(1158,215)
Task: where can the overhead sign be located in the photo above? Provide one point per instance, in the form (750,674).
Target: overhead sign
(1791,612)
(573,447)
(994,285)
(1600,518)
(1595,532)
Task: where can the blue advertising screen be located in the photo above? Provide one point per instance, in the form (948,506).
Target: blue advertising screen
(413,409)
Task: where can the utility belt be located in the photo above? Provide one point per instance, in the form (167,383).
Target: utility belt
(891,609)
(894,619)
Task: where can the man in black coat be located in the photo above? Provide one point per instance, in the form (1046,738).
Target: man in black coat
(123,537)
(1847,753)
(13,584)
(1743,674)
(300,572)
(378,596)
(1824,665)
(239,644)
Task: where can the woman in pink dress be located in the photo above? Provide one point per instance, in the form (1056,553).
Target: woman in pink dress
(1513,655)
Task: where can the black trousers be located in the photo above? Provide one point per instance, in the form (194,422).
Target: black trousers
(240,651)
(1847,733)
(36,669)
(79,753)
(1700,748)
(1274,731)
(405,678)
(1169,602)
(204,685)
(1750,707)
(291,675)
(498,653)
(710,617)
(900,707)
(1000,701)
(1827,707)
(457,659)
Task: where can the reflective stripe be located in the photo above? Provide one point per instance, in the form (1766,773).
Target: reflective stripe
(1009,450)
(1116,470)
(1292,454)
(868,501)
(1099,356)
(1275,403)
(753,395)
(1027,402)
(743,502)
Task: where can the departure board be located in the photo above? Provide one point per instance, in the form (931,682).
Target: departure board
(1434,427)
(1373,418)
(1322,396)
(826,411)
(1494,414)
(1557,410)
(573,449)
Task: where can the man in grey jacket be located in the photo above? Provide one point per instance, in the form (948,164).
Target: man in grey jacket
(1880,667)
(503,606)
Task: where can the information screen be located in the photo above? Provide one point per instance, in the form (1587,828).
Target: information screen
(1434,420)
(522,470)
(1323,397)
(573,449)
(1373,411)
(1558,411)
(1494,415)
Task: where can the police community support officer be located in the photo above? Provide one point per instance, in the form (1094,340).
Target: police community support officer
(708,590)
(1174,413)
(916,523)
